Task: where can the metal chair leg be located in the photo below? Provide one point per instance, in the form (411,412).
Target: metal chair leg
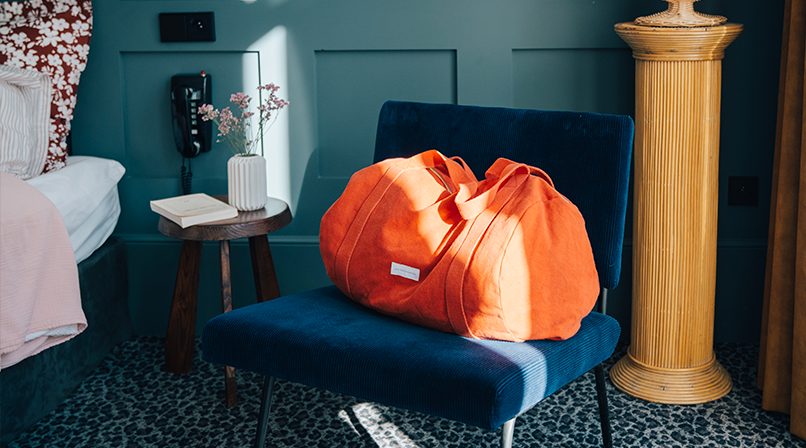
(506,433)
(604,413)
(265,408)
(602,302)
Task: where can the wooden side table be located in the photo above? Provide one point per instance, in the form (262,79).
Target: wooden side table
(254,225)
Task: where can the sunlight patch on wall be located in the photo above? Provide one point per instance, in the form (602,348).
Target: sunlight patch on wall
(272,67)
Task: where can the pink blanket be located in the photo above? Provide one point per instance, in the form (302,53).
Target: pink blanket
(40,303)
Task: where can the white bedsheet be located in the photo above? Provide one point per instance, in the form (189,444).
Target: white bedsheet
(85,193)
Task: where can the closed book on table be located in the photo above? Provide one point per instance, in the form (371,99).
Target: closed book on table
(192,209)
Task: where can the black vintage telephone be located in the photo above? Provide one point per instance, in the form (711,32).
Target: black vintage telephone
(192,135)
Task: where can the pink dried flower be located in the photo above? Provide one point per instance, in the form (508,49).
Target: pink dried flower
(237,130)
(240,99)
(226,115)
(207,112)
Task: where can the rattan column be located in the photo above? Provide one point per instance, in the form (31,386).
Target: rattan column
(678,78)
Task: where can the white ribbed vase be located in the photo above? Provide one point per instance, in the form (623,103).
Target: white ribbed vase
(246,178)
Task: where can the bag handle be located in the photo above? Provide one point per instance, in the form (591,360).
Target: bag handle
(465,176)
(470,204)
(501,164)
(458,171)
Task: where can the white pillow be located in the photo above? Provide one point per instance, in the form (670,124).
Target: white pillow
(85,193)
(24,121)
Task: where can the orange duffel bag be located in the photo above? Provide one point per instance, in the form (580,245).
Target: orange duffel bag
(421,239)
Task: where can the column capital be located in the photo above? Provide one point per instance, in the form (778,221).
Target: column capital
(661,43)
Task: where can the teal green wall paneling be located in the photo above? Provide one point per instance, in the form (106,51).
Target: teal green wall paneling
(593,80)
(152,162)
(338,61)
(425,76)
(146,108)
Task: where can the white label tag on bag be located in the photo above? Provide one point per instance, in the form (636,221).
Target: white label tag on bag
(406,271)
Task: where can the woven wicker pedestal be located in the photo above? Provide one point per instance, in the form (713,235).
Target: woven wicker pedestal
(678,78)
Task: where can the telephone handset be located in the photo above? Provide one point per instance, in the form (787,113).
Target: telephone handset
(192,135)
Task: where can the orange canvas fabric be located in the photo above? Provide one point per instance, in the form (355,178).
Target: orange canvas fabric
(421,239)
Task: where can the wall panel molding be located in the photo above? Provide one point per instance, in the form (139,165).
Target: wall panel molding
(145,89)
(597,80)
(351,87)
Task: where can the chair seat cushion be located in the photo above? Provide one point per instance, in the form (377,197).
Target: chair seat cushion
(321,338)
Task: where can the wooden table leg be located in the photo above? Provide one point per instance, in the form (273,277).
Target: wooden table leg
(182,322)
(230,382)
(266,284)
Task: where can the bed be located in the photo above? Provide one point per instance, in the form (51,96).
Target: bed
(63,278)
(92,313)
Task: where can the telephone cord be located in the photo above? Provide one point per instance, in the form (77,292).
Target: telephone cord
(187,176)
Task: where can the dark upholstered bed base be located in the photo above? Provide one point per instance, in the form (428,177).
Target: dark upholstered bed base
(37,385)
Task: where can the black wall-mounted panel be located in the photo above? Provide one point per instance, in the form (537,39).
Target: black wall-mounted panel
(187,27)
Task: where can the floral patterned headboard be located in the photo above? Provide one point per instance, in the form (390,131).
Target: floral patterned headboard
(53,37)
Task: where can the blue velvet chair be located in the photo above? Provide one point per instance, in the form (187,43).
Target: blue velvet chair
(323,339)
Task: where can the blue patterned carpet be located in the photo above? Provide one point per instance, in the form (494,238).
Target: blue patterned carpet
(129,402)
